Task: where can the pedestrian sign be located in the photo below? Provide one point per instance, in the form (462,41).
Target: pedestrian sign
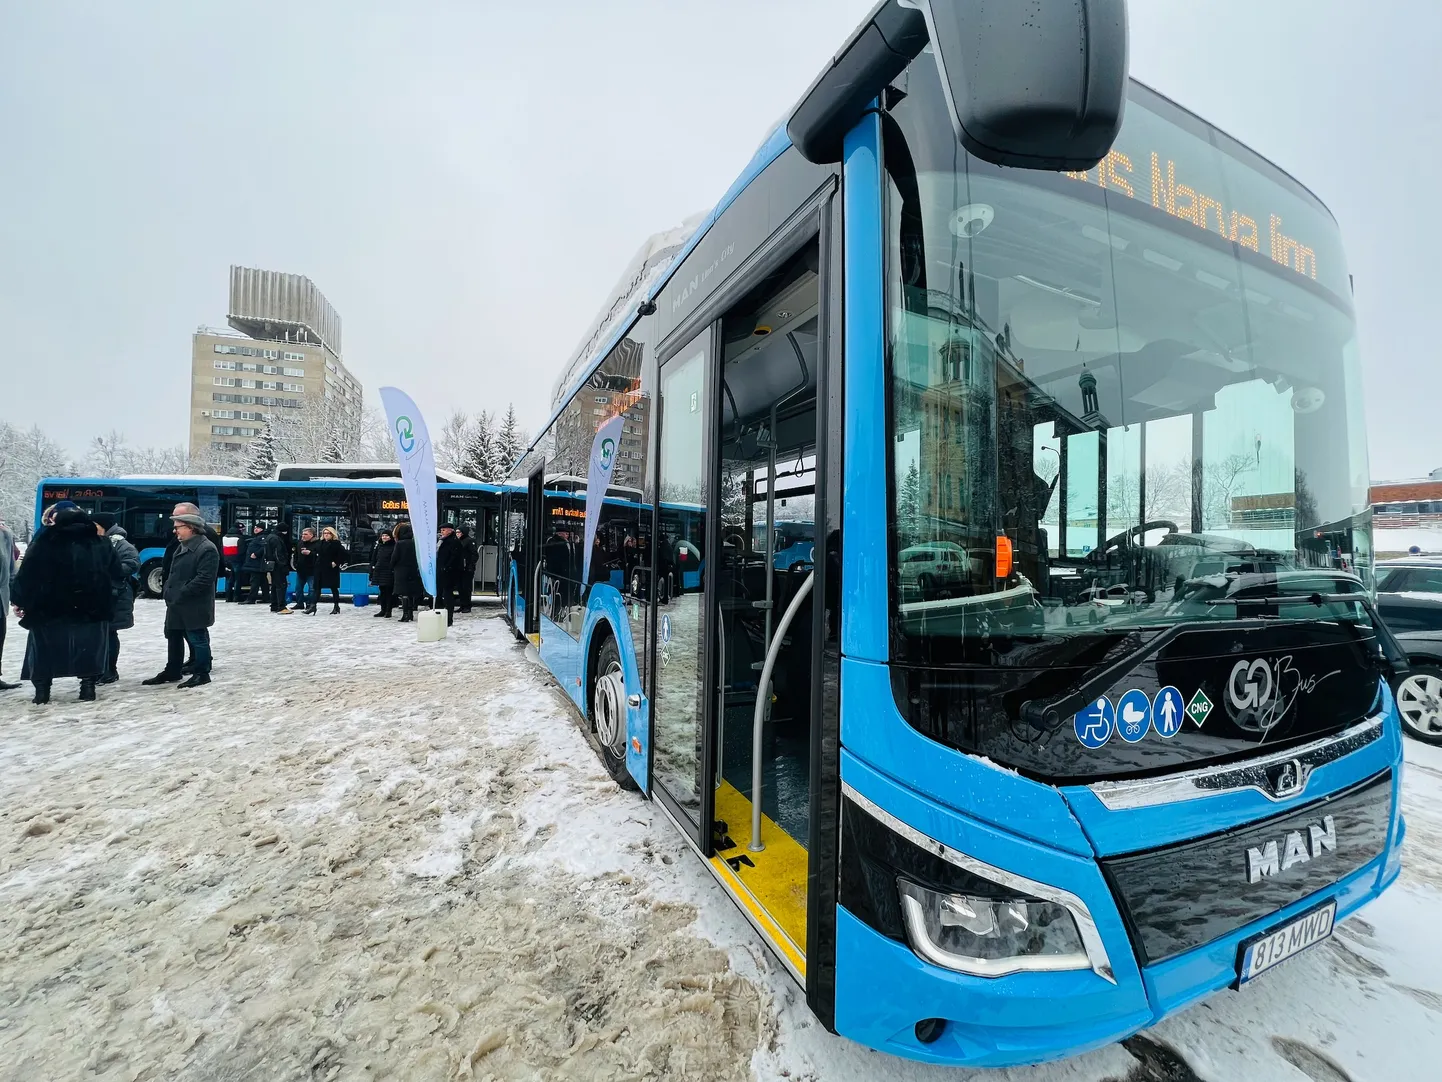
(1168,712)
(1199,707)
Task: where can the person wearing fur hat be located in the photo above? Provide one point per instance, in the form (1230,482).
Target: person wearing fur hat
(189,603)
(64,595)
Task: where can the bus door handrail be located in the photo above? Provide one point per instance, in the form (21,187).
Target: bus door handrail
(762,694)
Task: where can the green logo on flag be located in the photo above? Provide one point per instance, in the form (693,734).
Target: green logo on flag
(1199,707)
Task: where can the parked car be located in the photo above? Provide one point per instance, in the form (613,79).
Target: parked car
(934,568)
(1096,603)
(1409,599)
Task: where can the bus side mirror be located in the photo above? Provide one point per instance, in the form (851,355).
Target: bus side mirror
(1037,85)
(1033,85)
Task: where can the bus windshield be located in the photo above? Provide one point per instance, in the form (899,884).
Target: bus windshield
(1108,389)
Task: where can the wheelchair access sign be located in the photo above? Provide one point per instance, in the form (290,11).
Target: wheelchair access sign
(1095,723)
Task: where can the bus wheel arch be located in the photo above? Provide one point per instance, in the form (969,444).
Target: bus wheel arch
(606,703)
(152,578)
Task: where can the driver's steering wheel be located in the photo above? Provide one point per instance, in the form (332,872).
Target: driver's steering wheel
(1125,536)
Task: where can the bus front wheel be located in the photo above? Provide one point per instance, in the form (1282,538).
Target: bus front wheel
(608,712)
(152,579)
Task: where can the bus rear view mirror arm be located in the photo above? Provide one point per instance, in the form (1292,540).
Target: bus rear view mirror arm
(1037,86)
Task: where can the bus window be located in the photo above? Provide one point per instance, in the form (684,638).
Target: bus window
(143,523)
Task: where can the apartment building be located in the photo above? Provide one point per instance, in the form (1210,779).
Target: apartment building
(279,361)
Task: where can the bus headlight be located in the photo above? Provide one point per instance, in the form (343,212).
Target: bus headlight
(990,937)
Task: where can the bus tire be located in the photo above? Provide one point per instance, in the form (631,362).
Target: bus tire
(152,581)
(608,711)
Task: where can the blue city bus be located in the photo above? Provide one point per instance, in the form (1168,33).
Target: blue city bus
(1078,709)
(356,508)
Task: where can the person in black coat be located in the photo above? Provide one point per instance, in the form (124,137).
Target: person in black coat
(468,574)
(450,571)
(330,557)
(252,566)
(64,594)
(189,603)
(124,617)
(407,571)
(383,572)
(277,563)
(307,589)
(186,508)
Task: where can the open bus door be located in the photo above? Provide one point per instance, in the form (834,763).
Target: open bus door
(527,616)
(743,733)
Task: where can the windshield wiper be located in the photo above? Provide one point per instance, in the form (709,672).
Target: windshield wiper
(1289,599)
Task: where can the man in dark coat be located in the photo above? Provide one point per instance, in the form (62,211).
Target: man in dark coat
(450,571)
(277,562)
(468,573)
(253,566)
(407,572)
(307,586)
(383,572)
(189,603)
(64,594)
(124,617)
(185,508)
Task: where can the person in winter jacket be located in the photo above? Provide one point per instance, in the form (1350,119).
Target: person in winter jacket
(253,565)
(383,572)
(330,558)
(450,570)
(64,595)
(277,564)
(9,556)
(186,508)
(189,603)
(124,617)
(468,572)
(407,572)
(307,588)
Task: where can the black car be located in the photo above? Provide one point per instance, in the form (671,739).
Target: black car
(1409,598)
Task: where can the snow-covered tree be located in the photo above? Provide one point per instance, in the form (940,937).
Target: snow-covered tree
(107,456)
(25,457)
(452,440)
(510,441)
(480,459)
(376,444)
(262,462)
(908,505)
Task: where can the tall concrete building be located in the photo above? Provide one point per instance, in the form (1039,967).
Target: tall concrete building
(280,362)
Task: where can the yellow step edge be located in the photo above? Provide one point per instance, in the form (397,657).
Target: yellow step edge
(773,887)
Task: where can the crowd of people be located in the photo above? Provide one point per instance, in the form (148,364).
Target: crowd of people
(74,591)
(264,562)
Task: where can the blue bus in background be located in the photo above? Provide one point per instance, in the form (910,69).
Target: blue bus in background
(357,506)
(1076,708)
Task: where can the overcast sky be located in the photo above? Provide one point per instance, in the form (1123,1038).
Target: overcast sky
(465,181)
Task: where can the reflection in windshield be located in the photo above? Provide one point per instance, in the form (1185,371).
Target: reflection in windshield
(1101,397)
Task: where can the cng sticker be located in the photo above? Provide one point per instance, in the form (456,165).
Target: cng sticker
(1199,707)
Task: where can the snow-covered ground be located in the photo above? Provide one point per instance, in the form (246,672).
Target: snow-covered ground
(357,857)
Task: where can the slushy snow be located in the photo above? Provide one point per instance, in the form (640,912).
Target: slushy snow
(354,856)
